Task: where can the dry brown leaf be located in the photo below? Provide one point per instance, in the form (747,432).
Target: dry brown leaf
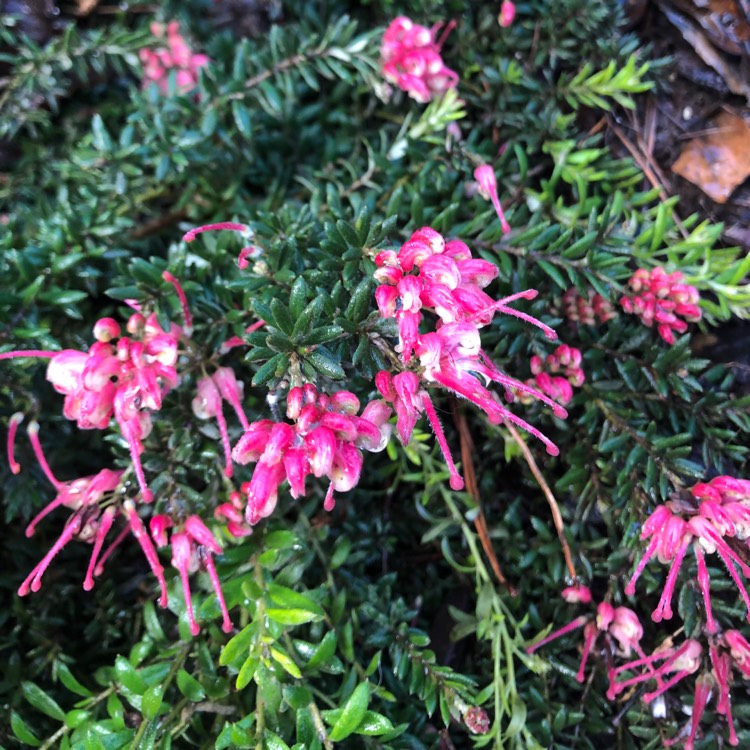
(719,161)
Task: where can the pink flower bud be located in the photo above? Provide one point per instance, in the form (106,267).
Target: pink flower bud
(106,329)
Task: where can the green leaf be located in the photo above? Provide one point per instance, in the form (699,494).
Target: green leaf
(128,677)
(41,701)
(70,682)
(323,653)
(282,658)
(352,713)
(152,700)
(242,119)
(190,687)
(22,731)
(238,645)
(323,361)
(292,599)
(282,317)
(374,724)
(291,616)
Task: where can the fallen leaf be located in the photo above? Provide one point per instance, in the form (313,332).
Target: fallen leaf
(719,161)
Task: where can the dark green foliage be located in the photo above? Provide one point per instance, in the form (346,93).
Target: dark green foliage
(381,624)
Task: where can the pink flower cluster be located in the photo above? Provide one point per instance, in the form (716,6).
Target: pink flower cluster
(431,275)
(662,299)
(619,627)
(718,510)
(565,360)
(177,56)
(587,310)
(411,59)
(121,376)
(326,439)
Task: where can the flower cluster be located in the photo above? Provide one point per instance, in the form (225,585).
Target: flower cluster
(411,60)
(326,439)
(431,275)
(193,547)
(507,13)
(717,510)
(565,360)
(177,56)
(619,626)
(588,310)
(662,299)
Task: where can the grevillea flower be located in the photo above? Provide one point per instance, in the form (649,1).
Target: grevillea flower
(177,56)
(485,177)
(193,548)
(721,510)
(587,310)
(619,626)
(565,360)
(121,376)
(662,299)
(325,439)
(430,275)
(411,59)
(507,13)
(677,662)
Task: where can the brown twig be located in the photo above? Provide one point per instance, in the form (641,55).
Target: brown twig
(554,507)
(470,477)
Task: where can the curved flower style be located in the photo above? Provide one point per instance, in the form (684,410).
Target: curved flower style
(177,56)
(193,547)
(326,439)
(722,510)
(411,59)
(616,624)
(120,376)
(662,298)
(429,274)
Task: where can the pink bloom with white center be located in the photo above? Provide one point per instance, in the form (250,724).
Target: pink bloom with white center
(325,439)
(176,56)
(662,299)
(411,59)
(485,177)
(193,547)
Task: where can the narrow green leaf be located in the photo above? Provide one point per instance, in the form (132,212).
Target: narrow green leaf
(41,701)
(22,731)
(352,713)
(190,687)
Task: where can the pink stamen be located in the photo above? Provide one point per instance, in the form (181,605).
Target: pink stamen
(141,535)
(559,633)
(446,32)
(193,233)
(224,432)
(701,696)
(664,607)
(208,561)
(736,578)
(99,569)
(647,555)
(34,579)
(33,432)
(330,501)
(105,524)
(589,632)
(456,481)
(648,697)
(704,581)
(15,420)
(255,326)
(167,276)
(61,499)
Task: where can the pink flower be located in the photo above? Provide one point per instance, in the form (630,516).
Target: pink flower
(485,176)
(662,299)
(193,547)
(176,56)
(325,440)
(507,13)
(411,60)
(587,310)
